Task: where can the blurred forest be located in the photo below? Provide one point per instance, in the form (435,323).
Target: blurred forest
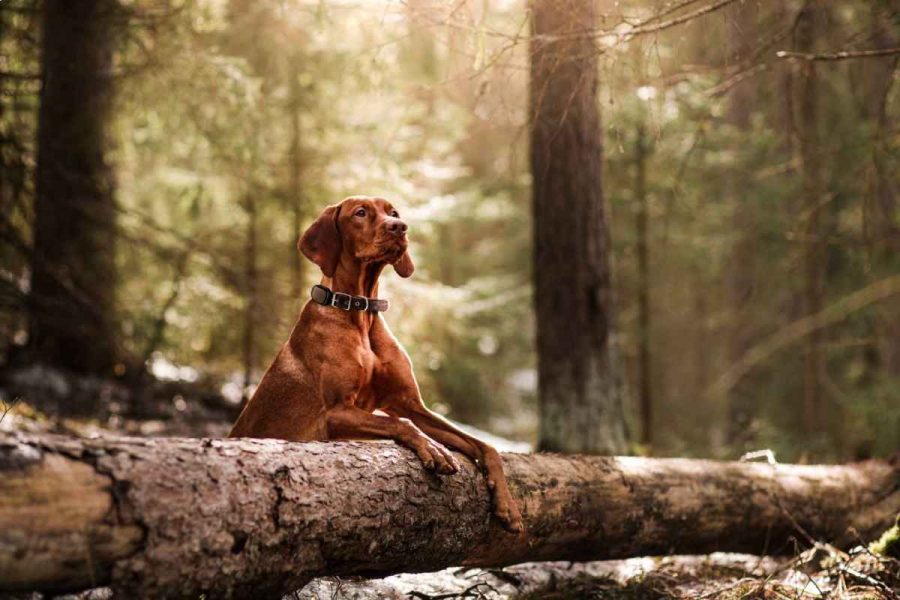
(749,172)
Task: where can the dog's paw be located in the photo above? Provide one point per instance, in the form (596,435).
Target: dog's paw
(510,518)
(448,469)
(438,460)
(450,466)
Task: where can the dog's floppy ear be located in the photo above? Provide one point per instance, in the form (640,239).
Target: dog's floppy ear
(321,243)
(404,265)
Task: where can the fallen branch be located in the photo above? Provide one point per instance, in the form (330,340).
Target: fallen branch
(236,518)
(846,55)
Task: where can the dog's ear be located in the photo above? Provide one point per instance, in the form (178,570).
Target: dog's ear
(404,265)
(321,243)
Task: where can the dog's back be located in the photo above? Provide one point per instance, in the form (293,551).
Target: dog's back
(287,404)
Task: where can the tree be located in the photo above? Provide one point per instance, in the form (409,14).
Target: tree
(579,386)
(72,302)
(18,89)
(294,190)
(645,381)
(812,215)
(882,223)
(740,277)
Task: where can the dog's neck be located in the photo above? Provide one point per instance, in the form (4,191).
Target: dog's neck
(357,278)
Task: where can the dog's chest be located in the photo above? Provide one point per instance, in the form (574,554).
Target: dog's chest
(366,362)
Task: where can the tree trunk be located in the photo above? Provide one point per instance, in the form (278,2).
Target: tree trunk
(258,518)
(740,276)
(251,283)
(882,220)
(814,413)
(579,385)
(74,275)
(645,384)
(295,167)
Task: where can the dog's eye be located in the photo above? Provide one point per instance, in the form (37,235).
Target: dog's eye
(395,214)
(360,212)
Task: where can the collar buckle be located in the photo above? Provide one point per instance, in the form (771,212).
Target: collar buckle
(336,301)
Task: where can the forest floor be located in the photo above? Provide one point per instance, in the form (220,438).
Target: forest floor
(816,570)
(812,574)
(717,576)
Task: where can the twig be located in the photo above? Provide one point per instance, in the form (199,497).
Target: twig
(469,592)
(507,577)
(849,54)
(757,454)
(880,585)
(338,588)
(159,326)
(7,408)
(640,30)
(724,87)
(668,10)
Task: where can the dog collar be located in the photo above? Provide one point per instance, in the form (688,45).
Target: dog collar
(324,296)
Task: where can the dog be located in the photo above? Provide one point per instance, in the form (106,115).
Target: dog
(342,363)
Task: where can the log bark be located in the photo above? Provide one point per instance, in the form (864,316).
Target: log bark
(175,517)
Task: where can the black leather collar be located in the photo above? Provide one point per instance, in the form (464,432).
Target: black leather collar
(324,296)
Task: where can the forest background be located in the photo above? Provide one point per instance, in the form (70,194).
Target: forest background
(750,176)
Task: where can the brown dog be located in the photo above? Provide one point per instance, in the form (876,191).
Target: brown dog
(342,362)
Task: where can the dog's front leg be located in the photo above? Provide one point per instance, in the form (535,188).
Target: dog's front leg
(350,422)
(481,453)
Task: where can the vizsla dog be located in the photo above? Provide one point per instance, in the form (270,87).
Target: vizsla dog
(342,362)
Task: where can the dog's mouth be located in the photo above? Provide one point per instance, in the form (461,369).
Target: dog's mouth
(395,250)
(389,250)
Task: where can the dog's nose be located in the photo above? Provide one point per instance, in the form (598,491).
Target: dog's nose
(397,227)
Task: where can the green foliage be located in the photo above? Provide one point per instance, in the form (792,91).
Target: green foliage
(237,122)
(889,542)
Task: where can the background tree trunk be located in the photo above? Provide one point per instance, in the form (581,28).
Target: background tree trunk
(741,277)
(72,322)
(579,387)
(882,220)
(259,518)
(811,216)
(643,284)
(295,186)
(251,290)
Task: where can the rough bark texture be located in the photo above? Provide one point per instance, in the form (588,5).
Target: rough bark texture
(256,518)
(73,281)
(579,385)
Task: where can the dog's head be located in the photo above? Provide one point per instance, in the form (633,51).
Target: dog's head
(364,228)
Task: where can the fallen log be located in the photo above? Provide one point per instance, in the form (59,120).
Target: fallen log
(174,517)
